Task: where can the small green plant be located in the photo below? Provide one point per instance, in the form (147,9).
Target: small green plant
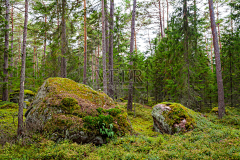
(104,130)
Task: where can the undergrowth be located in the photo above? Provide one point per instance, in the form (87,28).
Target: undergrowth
(212,139)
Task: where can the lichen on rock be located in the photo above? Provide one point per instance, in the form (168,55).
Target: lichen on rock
(64,109)
(172,118)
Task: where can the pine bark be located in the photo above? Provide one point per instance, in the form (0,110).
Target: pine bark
(85,46)
(111,83)
(104,50)
(22,77)
(160,15)
(64,44)
(6,52)
(11,64)
(221,105)
(130,88)
(186,54)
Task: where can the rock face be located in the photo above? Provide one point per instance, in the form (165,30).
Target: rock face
(172,118)
(64,109)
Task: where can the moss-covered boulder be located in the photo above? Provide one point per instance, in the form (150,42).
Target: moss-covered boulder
(64,109)
(172,118)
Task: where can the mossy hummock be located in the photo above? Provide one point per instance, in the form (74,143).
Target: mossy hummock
(64,108)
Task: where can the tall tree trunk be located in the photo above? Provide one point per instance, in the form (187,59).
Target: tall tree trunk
(11,64)
(221,105)
(34,59)
(111,84)
(44,49)
(104,50)
(106,26)
(6,51)
(22,77)
(185,30)
(130,88)
(160,15)
(211,55)
(163,19)
(167,13)
(64,43)
(85,46)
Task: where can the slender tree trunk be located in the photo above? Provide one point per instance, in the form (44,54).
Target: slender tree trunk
(93,68)
(44,49)
(104,50)
(221,105)
(6,52)
(211,55)
(167,13)
(85,45)
(111,83)
(64,43)
(163,19)
(106,26)
(160,15)
(97,70)
(34,59)
(130,88)
(185,28)
(11,64)
(22,79)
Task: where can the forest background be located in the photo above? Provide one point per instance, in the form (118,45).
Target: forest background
(73,40)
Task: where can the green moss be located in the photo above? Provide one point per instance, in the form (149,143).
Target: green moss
(178,113)
(114,111)
(215,110)
(69,104)
(29,92)
(8,105)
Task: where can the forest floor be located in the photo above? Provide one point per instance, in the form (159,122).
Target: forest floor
(220,140)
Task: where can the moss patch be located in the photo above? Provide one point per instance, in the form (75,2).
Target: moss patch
(8,105)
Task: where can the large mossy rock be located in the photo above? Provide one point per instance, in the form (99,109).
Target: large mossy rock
(64,109)
(172,118)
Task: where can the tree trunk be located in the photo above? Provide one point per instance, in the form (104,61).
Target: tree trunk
(211,55)
(106,26)
(167,14)
(64,43)
(44,49)
(6,51)
(11,64)
(163,19)
(22,77)
(104,50)
(85,46)
(130,88)
(185,30)
(160,15)
(111,85)
(221,105)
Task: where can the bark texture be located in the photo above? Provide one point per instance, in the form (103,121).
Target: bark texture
(6,51)
(104,50)
(130,88)
(111,84)
(22,76)
(64,43)
(221,105)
